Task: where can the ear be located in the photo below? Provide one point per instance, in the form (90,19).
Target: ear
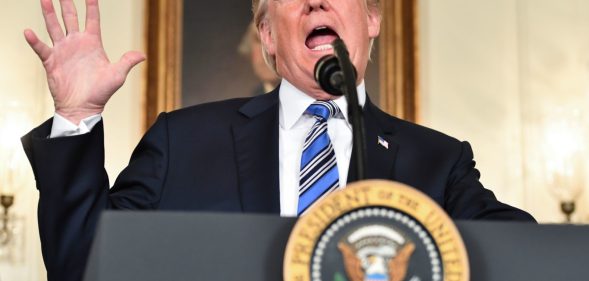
(374,19)
(266,38)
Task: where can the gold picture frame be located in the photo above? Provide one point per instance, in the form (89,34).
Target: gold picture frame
(164,49)
(398,58)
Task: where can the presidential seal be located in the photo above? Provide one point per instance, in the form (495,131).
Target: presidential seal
(375,231)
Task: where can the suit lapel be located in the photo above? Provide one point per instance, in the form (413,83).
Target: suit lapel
(256,153)
(381,156)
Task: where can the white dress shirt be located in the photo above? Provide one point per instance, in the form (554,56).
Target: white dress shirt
(294,127)
(62,127)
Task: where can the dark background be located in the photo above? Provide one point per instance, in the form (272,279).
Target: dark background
(212,68)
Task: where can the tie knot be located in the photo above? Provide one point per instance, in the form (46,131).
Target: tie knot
(323,109)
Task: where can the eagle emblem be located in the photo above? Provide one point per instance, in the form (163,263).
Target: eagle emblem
(376,253)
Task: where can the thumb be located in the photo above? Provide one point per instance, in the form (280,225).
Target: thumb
(128,61)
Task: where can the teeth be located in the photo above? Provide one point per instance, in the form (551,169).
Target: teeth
(321,28)
(323,47)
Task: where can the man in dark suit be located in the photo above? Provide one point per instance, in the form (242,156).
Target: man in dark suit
(241,155)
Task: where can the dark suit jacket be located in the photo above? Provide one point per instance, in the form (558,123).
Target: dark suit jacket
(223,156)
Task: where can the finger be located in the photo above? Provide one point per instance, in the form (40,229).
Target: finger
(51,22)
(92,17)
(128,61)
(70,16)
(42,50)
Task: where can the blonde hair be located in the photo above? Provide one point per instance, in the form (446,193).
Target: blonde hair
(260,8)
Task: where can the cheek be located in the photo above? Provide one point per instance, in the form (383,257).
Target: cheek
(285,45)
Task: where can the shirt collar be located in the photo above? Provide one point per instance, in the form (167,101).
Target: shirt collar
(293,103)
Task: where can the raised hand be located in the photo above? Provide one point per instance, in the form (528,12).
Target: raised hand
(80,76)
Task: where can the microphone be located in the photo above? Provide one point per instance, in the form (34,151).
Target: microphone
(329,75)
(328,70)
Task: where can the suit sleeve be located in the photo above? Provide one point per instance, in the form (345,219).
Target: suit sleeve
(466,198)
(74,189)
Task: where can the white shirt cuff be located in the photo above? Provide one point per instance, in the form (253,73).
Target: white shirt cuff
(64,128)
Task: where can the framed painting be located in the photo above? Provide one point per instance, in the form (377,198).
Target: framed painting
(193,56)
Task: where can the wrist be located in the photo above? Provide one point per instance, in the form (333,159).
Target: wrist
(77,115)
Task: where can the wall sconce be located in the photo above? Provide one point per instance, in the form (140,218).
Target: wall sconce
(6,201)
(13,176)
(563,151)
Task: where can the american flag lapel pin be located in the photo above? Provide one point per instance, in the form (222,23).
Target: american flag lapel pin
(383,142)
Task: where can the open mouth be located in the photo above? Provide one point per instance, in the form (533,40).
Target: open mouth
(320,38)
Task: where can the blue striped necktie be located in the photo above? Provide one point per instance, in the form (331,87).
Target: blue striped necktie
(319,174)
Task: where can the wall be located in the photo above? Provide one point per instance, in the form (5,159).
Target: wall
(490,71)
(554,67)
(23,86)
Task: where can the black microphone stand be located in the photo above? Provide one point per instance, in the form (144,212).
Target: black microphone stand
(355,113)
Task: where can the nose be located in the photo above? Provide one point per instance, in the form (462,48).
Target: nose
(317,5)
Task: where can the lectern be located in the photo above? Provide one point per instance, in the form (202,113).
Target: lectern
(175,246)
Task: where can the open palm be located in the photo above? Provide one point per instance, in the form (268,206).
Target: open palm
(80,76)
